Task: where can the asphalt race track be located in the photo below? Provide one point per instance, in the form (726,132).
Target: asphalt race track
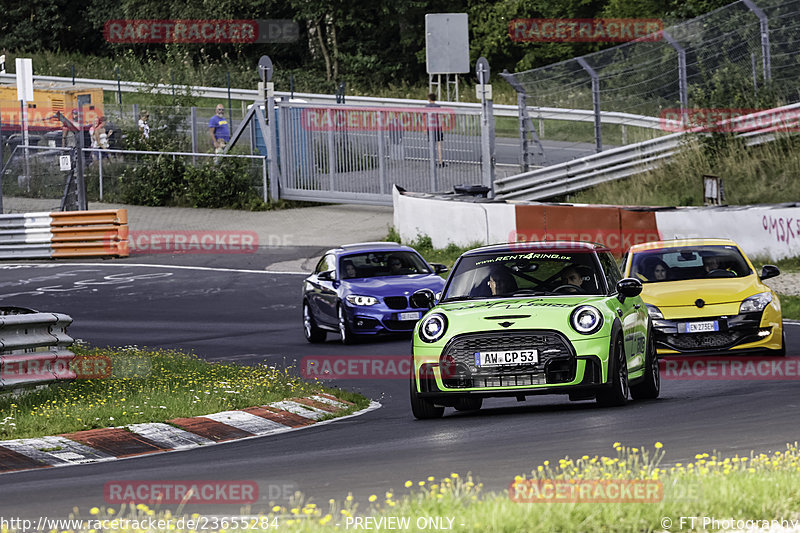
(254,317)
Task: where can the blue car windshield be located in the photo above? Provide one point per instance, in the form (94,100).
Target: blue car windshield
(510,274)
(381,264)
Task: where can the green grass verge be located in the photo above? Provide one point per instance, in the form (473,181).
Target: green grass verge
(757,487)
(790,306)
(751,175)
(149,386)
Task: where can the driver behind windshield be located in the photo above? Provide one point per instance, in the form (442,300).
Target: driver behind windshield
(714,262)
(501,282)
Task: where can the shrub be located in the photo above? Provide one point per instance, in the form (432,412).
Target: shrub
(155,182)
(223,184)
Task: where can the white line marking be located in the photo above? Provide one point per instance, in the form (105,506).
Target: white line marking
(176,267)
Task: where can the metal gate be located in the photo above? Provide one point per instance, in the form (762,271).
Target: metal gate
(355,154)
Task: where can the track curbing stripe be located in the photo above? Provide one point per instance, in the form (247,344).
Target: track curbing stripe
(153,438)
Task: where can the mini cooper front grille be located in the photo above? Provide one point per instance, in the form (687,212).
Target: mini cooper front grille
(556,359)
(396,302)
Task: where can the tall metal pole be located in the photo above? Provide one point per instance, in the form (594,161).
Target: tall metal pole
(683,86)
(487,125)
(598,132)
(764,26)
(81,182)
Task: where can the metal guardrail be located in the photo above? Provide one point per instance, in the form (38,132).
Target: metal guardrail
(630,160)
(550,113)
(33,347)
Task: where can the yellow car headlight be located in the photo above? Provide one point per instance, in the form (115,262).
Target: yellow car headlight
(755,303)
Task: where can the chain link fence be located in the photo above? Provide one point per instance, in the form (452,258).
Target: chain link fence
(741,56)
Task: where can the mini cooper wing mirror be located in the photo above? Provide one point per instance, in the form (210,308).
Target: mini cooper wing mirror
(327,275)
(628,288)
(423,298)
(769,271)
(439,268)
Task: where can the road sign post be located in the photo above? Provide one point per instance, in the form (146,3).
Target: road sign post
(487,124)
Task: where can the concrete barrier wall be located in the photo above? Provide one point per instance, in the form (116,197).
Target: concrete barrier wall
(445,222)
(771,232)
(763,231)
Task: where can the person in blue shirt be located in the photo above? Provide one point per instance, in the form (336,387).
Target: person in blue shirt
(219,130)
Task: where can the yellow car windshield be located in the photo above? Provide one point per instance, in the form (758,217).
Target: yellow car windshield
(683,263)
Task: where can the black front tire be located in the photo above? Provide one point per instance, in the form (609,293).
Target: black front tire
(423,409)
(311,331)
(650,387)
(617,394)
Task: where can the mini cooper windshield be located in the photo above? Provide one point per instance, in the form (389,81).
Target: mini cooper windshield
(507,275)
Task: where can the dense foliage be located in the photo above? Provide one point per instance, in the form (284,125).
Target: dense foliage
(367,44)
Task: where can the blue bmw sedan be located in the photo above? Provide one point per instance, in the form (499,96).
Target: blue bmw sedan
(363,289)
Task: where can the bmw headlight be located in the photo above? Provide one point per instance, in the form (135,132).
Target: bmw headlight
(754,303)
(355,299)
(433,327)
(586,319)
(654,311)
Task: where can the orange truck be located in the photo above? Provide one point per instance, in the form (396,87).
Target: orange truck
(48,98)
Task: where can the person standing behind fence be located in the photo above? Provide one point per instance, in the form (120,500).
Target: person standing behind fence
(435,128)
(101,136)
(144,127)
(219,130)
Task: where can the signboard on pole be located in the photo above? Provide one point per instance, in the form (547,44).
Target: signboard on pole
(446,43)
(24,79)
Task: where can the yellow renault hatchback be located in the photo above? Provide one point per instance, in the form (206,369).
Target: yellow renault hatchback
(704,296)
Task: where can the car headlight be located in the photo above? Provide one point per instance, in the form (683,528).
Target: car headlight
(757,302)
(654,311)
(356,299)
(586,319)
(433,327)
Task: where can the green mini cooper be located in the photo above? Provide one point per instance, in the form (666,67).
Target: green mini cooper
(532,318)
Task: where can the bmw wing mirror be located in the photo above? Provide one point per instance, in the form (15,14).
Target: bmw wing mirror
(327,275)
(628,288)
(439,268)
(423,298)
(769,271)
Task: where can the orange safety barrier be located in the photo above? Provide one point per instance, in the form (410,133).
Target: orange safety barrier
(617,228)
(90,233)
(102,233)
